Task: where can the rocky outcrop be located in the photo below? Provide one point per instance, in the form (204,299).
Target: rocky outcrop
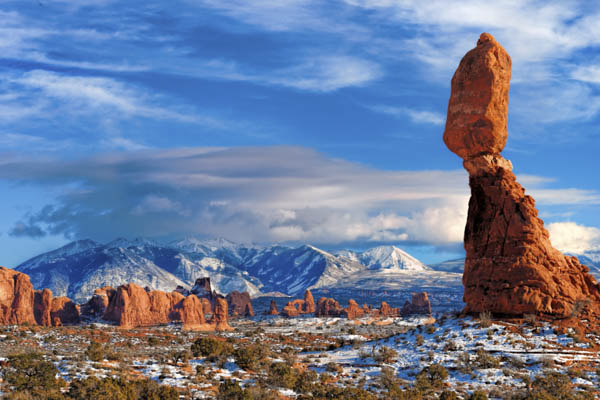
(419,305)
(511,267)
(64,312)
(16,298)
(219,319)
(328,307)
(191,314)
(132,306)
(298,307)
(309,303)
(272,309)
(385,311)
(240,304)
(42,304)
(353,310)
(97,305)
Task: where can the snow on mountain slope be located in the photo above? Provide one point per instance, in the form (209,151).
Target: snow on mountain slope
(390,259)
(77,269)
(457,266)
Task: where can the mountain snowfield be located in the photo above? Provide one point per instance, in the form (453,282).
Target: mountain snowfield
(77,269)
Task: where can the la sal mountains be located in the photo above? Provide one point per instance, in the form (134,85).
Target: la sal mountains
(78,268)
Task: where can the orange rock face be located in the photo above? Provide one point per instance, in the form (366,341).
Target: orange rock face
(219,319)
(64,312)
(42,304)
(191,314)
(511,267)
(478,107)
(353,310)
(291,309)
(328,307)
(240,304)
(309,303)
(272,309)
(97,305)
(16,298)
(419,304)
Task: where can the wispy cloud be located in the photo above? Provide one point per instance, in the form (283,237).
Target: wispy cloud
(574,238)
(261,194)
(416,116)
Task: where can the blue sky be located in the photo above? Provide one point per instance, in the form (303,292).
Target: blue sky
(292,121)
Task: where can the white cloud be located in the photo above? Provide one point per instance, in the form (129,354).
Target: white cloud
(570,237)
(417,116)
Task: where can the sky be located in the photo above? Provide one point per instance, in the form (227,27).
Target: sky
(295,121)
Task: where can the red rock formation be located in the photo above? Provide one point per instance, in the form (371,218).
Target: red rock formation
(511,267)
(272,309)
(97,305)
(191,314)
(353,310)
(206,306)
(132,306)
(309,303)
(16,298)
(42,303)
(64,311)
(219,319)
(327,307)
(240,304)
(291,309)
(419,304)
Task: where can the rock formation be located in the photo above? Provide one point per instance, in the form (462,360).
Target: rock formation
(297,307)
(240,304)
(191,314)
(219,319)
(328,307)
(272,309)
(64,311)
(511,267)
(419,304)
(97,305)
(16,298)
(42,304)
(353,310)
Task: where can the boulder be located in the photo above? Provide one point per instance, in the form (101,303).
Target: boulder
(419,304)
(240,304)
(478,106)
(511,268)
(16,298)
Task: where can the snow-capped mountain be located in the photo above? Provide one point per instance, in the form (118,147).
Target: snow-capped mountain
(457,266)
(78,268)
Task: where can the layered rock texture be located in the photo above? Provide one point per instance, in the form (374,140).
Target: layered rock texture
(16,298)
(240,304)
(511,267)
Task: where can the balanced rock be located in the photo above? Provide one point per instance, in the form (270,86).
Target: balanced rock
(478,107)
(16,298)
(240,304)
(511,267)
(419,304)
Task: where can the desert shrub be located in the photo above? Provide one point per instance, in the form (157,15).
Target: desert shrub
(180,356)
(385,355)
(485,319)
(552,385)
(95,352)
(464,363)
(30,374)
(419,340)
(448,395)
(231,390)
(210,347)
(282,375)
(478,395)
(334,367)
(305,382)
(431,377)
(249,357)
(485,360)
(430,329)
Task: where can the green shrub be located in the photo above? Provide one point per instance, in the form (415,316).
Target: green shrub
(95,352)
(478,395)
(210,347)
(231,390)
(431,377)
(31,373)
(282,375)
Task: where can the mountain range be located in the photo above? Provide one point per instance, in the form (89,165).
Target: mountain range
(78,268)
